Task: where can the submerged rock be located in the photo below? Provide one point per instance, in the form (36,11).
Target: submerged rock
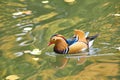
(69,1)
(12,77)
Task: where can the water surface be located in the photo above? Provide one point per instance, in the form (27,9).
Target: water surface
(26,26)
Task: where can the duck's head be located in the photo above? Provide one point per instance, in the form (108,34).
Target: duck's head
(56,38)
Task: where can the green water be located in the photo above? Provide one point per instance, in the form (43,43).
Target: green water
(26,32)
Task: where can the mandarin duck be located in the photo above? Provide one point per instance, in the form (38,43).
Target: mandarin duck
(79,42)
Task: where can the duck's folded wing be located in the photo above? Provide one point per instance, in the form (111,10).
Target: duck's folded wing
(77,47)
(81,35)
(72,40)
(75,39)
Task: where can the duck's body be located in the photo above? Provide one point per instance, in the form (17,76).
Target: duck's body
(70,46)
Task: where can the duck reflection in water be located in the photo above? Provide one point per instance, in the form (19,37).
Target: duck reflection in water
(62,60)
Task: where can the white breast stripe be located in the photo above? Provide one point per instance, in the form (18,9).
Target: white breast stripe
(66,51)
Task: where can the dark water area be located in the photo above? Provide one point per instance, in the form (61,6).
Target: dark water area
(26,27)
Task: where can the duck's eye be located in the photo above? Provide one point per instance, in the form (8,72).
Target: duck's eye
(53,39)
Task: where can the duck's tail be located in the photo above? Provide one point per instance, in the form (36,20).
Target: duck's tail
(90,39)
